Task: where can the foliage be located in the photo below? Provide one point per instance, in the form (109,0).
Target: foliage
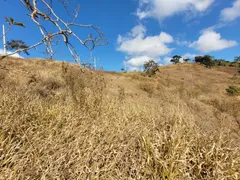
(233,90)
(220,62)
(176,59)
(17,45)
(12,22)
(186,59)
(151,68)
(237,59)
(206,60)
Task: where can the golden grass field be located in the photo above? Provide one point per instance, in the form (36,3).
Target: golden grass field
(57,122)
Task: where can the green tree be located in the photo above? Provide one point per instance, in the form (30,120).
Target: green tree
(206,60)
(176,59)
(186,59)
(237,59)
(151,67)
(17,45)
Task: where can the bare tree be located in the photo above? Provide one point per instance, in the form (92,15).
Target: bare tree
(42,11)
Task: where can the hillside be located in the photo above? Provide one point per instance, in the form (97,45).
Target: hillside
(57,122)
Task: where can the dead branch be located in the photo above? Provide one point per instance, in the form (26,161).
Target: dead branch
(63,28)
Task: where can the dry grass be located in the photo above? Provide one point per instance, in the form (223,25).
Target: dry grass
(59,123)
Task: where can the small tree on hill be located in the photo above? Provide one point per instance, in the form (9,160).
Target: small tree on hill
(199,59)
(176,59)
(186,60)
(122,69)
(237,59)
(151,67)
(206,60)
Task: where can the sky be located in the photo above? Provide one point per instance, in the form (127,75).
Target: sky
(140,30)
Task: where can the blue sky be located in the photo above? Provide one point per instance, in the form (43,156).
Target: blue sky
(139,30)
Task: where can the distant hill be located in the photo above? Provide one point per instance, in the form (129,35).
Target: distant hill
(58,122)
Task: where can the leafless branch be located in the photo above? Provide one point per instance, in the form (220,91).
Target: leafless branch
(63,28)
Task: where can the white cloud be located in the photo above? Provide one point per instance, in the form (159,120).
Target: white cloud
(138,61)
(136,44)
(161,9)
(232,13)
(189,55)
(141,48)
(8,52)
(182,42)
(167,61)
(211,41)
(133,68)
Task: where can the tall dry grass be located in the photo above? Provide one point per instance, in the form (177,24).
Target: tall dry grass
(65,125)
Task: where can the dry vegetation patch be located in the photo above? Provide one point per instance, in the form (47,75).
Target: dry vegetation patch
(86,127)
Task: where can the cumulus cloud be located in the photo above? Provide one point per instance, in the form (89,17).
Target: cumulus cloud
(138,61)
(166,60)
(189,56)
(141,48)
(182,42)
(135,43)
(232,13)
(14,55)
(211,41)
(160,9)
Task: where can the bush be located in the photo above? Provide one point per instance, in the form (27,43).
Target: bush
(205,60)
(151,68)
(233,91)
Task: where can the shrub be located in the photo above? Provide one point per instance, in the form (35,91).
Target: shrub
(205,60)
(176,59)
(151,67)
(233,90)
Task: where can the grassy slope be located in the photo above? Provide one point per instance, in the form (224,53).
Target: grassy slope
(59,123)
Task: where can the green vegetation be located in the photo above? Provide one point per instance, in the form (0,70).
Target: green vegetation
(186,60)
(17,45)
(233,90)
(176,59)
(209,61)
(237,59)
(205,60)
